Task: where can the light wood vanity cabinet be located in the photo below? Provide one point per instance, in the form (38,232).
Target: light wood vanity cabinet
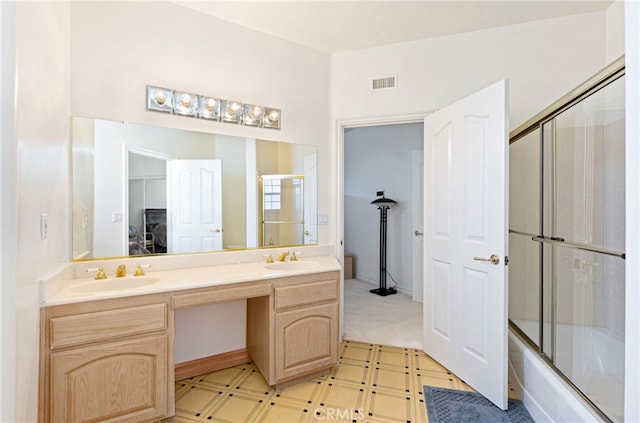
(112,360)
(294,332)
(109,360)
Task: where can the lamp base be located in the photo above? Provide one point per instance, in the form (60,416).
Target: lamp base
(383,292)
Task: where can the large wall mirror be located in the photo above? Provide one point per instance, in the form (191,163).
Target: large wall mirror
(140,190)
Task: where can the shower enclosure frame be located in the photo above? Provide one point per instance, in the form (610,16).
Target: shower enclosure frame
(280,222)
(599,81)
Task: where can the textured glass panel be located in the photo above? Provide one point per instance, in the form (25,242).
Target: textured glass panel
(524,184)
(524,216)
(524,284)
(589,325)
(588,170)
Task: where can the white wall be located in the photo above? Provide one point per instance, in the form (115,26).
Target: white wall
(614,16)
(43,185)
(8,202)
(543,60)
(234,181)
(379,158)
(218,336)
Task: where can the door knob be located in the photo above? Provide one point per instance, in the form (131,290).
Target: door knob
(216,230)
(307,233)
(493,259)
(417,233)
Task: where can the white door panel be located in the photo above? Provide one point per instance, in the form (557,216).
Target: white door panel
(195,206)
(465,308)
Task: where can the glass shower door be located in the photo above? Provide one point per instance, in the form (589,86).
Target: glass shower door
(583,226)
(524,223)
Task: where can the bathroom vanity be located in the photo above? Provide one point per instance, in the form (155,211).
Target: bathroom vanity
(108,355)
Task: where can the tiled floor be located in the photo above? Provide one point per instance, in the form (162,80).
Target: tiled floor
(372,383)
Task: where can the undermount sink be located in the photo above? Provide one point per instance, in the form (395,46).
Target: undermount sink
(292,265)
(114,284)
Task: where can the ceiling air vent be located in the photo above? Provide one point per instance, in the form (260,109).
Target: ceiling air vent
(385,83)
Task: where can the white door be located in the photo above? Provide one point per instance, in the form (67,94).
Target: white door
(195,205)
(417,213)
(465,307)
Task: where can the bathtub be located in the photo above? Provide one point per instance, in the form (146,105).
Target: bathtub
(550,399)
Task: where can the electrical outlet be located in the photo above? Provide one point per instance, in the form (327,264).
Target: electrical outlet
(116,217)
(323,219)
(44,226)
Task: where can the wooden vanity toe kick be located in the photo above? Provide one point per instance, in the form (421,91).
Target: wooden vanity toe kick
(212,295)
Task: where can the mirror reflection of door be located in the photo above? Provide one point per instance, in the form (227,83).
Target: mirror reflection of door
(147,202)
(282,198)
(311,199)
(195,205)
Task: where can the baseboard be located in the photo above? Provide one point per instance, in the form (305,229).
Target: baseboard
(212,363)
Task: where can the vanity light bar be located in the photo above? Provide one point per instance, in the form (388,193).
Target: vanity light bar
(230,111)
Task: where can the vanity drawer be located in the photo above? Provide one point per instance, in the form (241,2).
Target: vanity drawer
(307,293)
(221,294)
(89,327)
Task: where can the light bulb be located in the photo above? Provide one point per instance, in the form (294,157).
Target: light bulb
(210,104)
(185,100)
(160,98)
(274,115)
(233,108)
(256,112)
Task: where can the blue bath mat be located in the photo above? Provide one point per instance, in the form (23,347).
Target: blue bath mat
(452,406)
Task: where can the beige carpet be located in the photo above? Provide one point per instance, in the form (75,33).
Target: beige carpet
(394,320)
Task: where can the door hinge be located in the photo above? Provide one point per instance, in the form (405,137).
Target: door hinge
(506,260)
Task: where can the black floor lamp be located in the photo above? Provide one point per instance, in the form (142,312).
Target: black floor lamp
(383,205)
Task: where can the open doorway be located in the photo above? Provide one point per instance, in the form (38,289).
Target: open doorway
(382,158)
(146,198)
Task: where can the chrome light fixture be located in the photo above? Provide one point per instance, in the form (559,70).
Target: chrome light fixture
(211,108)
(271,118)
(160,99)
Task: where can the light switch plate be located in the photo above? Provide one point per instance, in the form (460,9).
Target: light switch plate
(323,218)
(44,226)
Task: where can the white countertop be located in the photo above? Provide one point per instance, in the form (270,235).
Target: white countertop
(186,278)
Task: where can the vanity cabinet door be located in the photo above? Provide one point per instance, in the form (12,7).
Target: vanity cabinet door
(306,340)
(124,381)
